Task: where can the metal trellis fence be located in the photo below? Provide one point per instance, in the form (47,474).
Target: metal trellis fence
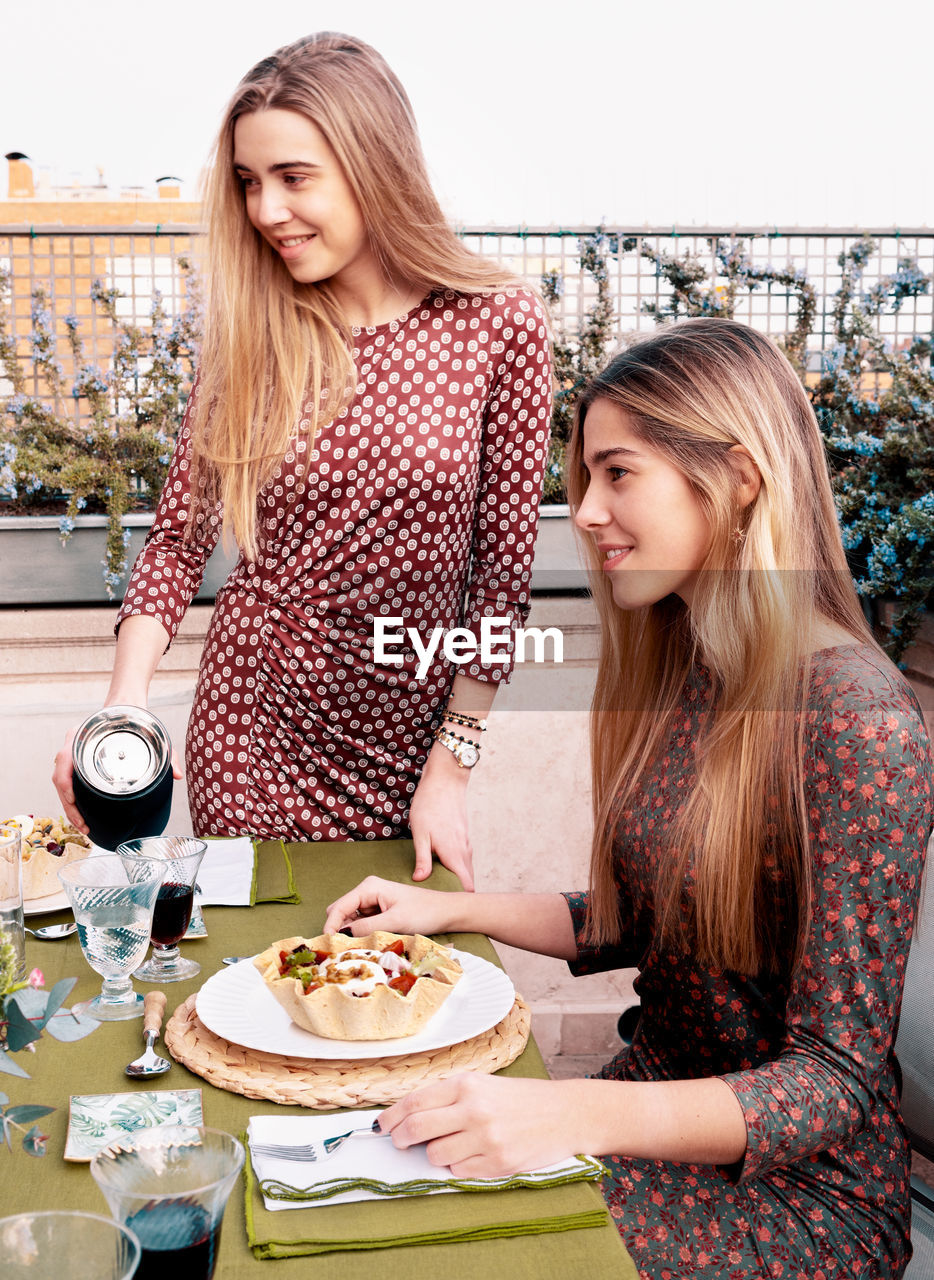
(143,262)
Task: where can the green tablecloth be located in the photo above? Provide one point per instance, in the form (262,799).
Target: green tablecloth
(95,1065)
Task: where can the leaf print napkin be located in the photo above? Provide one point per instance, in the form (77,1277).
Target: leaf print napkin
(96,1119)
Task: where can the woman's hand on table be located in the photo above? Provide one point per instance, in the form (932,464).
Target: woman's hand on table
(397,908)
(438,818)
(485,1126)
(493,1126)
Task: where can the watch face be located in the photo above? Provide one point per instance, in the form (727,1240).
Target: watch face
(468,755)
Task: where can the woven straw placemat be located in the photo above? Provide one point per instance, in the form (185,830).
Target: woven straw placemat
(336,1082)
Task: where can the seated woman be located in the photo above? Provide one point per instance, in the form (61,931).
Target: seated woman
(763,798)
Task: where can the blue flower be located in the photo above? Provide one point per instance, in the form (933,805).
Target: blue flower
(16,405)
(111,579)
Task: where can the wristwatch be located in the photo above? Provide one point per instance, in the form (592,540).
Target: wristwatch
(465,753)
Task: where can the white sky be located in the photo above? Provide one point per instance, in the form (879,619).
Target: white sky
(808,112)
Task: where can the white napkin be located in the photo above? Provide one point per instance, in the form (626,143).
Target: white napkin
(374,1158)
(226,872)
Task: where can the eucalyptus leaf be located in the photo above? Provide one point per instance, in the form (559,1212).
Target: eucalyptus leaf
(34,1142)
(20,1031)
(68,1025)
(10,1067)
(58,994)
(3,1099)
(27,1111)
(31,1001)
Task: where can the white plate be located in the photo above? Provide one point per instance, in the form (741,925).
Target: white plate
(51,902)
(237,1005)
(55,901)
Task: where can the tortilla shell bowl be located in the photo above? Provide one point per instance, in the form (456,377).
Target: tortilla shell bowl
(334,1012)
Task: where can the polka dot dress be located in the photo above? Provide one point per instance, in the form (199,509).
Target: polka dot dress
(419,502)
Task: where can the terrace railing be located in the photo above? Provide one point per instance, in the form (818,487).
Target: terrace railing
(142,262)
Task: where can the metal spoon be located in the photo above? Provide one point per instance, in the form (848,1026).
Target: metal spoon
(150,1064)
(51,931)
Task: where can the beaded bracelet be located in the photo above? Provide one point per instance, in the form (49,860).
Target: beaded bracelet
(465,721)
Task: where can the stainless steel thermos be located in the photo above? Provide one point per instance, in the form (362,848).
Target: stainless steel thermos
(122,761)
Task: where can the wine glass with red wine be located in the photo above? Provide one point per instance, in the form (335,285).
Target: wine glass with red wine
(172,914)
(169,1185)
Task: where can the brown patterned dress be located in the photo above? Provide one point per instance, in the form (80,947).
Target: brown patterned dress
(823,1189)
(419,502)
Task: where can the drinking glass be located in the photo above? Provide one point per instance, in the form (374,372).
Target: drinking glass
(181,857)
(53,1243)
(170,1185)
(11,900)
(112,899)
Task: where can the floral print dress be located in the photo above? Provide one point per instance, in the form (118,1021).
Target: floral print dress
(822,1191)
(419,504)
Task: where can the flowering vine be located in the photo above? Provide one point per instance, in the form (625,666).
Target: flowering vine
(102,440)
(874,401)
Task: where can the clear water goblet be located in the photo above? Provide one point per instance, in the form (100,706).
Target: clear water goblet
(181,857)
(12,931)
(113,899)
(49,1243)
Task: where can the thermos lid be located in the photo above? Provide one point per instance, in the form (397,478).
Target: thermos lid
(121,750)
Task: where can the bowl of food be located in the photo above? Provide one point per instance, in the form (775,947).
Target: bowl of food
(48,844)
(379,987)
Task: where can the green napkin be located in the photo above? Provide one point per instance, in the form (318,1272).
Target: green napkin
(273,877)
(419,1220)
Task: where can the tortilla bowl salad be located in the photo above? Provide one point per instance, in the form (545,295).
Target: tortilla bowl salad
(377,987)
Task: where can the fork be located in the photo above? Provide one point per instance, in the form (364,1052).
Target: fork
(312,1151)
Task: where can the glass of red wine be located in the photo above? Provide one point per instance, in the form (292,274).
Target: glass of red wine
(171,916)
(170,1185)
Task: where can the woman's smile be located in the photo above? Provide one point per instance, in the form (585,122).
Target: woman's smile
(298,198)
(612,556)
(645,517)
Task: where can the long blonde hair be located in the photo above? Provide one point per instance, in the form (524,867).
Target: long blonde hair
(277,351)
(774,571)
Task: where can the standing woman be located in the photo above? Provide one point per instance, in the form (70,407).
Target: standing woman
(370,422)
(763,799)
